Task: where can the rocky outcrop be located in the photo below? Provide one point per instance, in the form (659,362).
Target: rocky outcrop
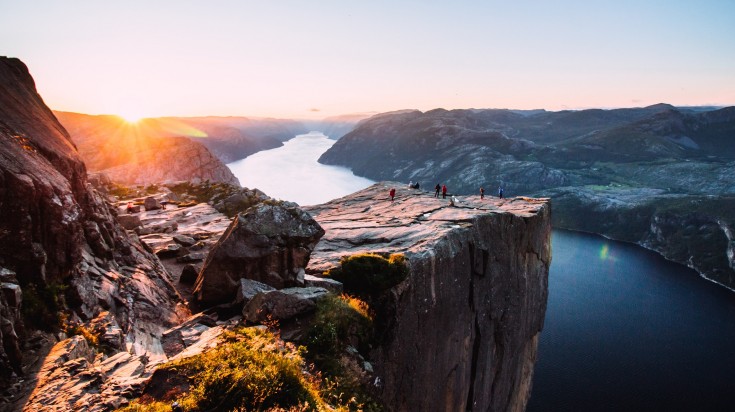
(461,332)
(61,238)
(270,243)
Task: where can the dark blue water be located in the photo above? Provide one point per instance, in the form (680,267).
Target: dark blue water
(627,330)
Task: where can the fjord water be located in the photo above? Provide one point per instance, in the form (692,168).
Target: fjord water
(291,172)
(625,329)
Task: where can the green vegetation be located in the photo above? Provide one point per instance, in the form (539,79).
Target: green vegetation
(370,273)
(342,321)
(339,321)
(122,192)
(251,370)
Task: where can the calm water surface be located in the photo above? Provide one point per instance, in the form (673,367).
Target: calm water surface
(291,172)
(627,330)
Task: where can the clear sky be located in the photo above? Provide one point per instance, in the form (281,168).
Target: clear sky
(309,59)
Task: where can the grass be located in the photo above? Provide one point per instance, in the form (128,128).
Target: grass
(251,370)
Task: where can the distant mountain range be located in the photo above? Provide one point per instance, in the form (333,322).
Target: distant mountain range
(618,172)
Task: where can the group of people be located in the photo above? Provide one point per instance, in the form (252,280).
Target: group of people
(443,189)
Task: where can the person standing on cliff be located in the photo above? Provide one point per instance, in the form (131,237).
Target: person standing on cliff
(437,188)
(482,193)
(392,194)
(444,191)
(500,192)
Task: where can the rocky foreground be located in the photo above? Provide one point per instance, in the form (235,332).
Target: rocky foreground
(118,298)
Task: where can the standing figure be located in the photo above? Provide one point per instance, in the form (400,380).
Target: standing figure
(500,192)
(482,192)
(392,193)
(444,191)
(438,188)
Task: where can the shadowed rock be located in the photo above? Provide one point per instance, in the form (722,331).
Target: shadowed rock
(282,304)
(268,243)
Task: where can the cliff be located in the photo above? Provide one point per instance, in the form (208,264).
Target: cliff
(603,166)
(64,258)
(138,154)
(461,332)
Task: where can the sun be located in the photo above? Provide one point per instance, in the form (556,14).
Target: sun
(132,117)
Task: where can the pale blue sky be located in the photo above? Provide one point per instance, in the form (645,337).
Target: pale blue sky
(292,58)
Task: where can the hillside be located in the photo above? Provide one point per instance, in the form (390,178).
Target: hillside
(589,160)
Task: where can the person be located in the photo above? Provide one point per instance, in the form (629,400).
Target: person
(164,202)
(416,186)
(438,188)
(444,191)
(500,192)
(392,193)
(452,201)
(130,208)
(410,184)
(482,192)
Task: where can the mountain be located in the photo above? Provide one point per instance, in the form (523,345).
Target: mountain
(228,138)
(657,163)
(138,154)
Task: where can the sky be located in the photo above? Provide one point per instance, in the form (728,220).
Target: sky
(313,59)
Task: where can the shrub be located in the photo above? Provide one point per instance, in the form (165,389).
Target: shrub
(339,321)
(370,273)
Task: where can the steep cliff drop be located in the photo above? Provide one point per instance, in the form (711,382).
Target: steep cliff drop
(463,330)
(61,245)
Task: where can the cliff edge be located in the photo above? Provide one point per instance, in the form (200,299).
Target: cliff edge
(461,332)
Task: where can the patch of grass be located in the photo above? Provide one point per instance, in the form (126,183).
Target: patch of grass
(369,273)
(122,192)
(251,370)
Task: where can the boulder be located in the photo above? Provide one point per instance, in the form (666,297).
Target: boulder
(184,240)
(270,243)
(151,203)
(282,304)
(129,222)
(248,289)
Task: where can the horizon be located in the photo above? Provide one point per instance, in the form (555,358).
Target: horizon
(288,60)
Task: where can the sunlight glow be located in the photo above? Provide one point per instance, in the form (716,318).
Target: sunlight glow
(132,117)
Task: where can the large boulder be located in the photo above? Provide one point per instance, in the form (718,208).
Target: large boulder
(151,203)
(270,243)
(283,304)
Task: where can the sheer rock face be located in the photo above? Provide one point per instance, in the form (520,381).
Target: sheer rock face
(56,230)
(267,243)
(463,330)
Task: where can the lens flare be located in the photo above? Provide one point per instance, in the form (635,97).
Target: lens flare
(604,252)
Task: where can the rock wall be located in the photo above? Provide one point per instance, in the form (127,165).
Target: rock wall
(59,236)
(463,330)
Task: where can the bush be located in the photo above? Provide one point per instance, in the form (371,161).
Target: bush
(339,321)
(370,273)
